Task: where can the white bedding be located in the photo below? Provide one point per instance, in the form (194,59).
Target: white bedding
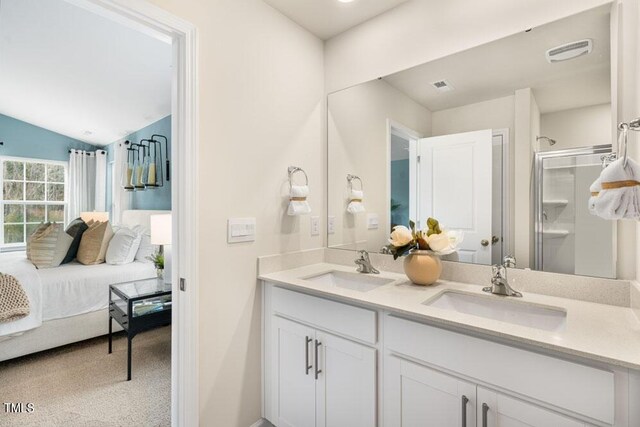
(73,288)
(65,291)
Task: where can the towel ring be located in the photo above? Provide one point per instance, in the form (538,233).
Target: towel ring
(292,170)
(351,178)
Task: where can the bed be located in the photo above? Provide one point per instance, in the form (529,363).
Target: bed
(68,303)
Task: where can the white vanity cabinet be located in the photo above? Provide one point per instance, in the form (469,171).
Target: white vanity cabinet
(315,378)
(333,364)
(418,396)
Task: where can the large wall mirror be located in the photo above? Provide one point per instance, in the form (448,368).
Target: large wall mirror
(501,141)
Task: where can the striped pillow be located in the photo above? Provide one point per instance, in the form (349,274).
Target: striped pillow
(49,247)
(43,226)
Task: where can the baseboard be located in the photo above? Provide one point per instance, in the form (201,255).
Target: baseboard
(262,423)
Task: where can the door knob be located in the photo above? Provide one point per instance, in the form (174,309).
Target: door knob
(494,240)
(484,242)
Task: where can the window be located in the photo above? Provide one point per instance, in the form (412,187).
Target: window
(33,191)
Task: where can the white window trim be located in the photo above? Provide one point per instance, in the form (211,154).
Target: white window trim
(65,203)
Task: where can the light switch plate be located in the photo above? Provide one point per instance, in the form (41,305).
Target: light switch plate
(315,225)
(331,224)
(241,230)
(372,221)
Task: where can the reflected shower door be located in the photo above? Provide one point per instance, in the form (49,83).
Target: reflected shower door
(568,238)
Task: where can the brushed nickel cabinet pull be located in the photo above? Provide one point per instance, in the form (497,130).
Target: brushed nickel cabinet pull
(465,400)
(485,411)
(318,371)
(307,366)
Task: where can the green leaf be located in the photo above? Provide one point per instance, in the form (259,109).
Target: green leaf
(412,226)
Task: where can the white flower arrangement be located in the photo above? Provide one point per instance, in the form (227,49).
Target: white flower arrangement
(440,241)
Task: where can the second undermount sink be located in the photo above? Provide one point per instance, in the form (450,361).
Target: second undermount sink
(502,309)
(354,281)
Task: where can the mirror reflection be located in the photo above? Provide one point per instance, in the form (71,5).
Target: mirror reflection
(501,142)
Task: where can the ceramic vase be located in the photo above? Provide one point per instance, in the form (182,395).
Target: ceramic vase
(423,267)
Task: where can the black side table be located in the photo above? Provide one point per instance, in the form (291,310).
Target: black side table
(138,306)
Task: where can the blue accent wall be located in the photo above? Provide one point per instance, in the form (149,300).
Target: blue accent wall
(22,139)
(400,192)
(159,198)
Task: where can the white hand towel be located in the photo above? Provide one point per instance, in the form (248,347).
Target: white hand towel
(298,204)
(355,202)
(595,189)
(619,196)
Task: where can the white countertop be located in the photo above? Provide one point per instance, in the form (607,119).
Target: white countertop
(600,332)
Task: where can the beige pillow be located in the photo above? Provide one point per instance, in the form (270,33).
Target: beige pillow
(94,243)
(49,245)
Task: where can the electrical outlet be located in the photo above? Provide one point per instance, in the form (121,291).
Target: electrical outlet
(372,221)
(315,225)
(331,224)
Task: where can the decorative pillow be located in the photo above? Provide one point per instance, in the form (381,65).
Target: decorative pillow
(123,246)
(49,247)
(94,243)
(146,249)
(75,229)
(43,226)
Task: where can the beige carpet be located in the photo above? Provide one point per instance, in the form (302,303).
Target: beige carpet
(82,385)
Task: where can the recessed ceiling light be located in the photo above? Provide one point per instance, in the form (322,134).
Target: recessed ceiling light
(345,1)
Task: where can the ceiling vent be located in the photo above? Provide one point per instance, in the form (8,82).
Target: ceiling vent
(569,51)
(442,86)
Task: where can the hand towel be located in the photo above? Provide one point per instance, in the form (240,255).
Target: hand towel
(619,195)
(355,202)
(595,189)
(298,204)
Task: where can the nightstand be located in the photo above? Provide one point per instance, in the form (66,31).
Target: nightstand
(138,306)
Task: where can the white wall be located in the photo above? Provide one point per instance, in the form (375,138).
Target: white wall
(261,100)
(578,127)
(423,30)
(357,138)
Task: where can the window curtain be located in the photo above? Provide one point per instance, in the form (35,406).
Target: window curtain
(120,200)
(87,182)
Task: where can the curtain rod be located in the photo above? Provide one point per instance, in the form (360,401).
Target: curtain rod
(88,153)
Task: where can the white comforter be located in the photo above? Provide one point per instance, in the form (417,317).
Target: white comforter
(17,265)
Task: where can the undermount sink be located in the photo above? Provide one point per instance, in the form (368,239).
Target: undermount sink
(502,309)
(354,281)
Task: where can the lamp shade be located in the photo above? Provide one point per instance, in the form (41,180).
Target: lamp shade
(160,229)
(96,216)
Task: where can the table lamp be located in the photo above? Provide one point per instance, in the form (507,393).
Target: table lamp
(161,235)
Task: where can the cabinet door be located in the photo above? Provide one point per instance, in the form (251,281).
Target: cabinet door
(346,386)
(499,410)
(296,385)
(417,396)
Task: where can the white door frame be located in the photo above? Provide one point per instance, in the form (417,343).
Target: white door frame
(506,189)
(412,135)
(157,22)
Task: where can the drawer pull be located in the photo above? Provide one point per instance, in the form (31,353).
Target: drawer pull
(307,367)
(485,411)
(318,371)
(465,400)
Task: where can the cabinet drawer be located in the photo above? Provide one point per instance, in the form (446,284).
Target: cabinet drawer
(572,386)
(344,319)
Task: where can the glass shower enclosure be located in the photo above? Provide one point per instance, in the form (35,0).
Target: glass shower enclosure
(567,238)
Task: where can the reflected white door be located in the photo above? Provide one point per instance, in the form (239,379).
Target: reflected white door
(455,177)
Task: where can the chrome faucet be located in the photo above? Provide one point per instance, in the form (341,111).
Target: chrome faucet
(364,263)
(499,283)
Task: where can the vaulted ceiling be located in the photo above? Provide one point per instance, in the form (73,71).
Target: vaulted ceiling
(69,70)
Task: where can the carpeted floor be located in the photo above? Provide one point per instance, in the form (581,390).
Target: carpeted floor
(82,385)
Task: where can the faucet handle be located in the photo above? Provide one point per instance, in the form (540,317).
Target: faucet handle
(509,261)
(498,271)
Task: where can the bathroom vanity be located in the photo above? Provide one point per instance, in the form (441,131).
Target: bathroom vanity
(347,349)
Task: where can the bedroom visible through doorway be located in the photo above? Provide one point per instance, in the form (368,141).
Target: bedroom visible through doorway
(86,176)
